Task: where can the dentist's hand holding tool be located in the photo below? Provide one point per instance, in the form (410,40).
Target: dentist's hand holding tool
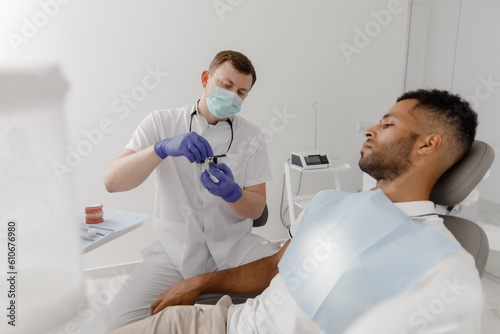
(226,188)
(191,145)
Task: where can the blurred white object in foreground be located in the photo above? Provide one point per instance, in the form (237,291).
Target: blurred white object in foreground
(40,247)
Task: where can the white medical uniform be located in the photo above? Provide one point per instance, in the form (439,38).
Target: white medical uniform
(197,231)
(448,299)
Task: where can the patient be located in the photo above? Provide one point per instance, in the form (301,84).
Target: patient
(420,281)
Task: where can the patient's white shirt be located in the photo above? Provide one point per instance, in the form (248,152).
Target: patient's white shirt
(448,298)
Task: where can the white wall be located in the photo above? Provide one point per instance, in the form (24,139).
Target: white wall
(105,49)
(432,44)
(454,46)
(477,77)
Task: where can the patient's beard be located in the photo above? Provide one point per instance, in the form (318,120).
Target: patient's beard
(392,162)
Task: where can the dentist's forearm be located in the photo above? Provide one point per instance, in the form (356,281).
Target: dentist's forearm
(251,203)
(130,169)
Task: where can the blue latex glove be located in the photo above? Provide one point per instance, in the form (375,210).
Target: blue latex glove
(226,188)
(191,145)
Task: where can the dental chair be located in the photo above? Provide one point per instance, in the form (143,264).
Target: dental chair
(451,189)
(262,220)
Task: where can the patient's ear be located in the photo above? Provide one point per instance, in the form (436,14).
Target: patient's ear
(429,143)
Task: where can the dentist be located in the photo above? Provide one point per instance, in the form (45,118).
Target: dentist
(203,213)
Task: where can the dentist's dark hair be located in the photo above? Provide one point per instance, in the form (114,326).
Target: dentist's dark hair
(240,63)
(449,114)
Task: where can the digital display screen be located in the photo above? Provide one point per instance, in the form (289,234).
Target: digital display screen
(312,159)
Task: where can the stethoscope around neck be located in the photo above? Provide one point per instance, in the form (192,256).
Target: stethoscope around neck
(228,122)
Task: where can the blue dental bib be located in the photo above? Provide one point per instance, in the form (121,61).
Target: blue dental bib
(352,251)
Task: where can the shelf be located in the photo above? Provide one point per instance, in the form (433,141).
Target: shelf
(302,200)
(335,167)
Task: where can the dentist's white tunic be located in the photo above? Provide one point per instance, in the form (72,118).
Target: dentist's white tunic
(193,225)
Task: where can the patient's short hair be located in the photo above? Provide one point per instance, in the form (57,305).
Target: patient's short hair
(446,113)
(240,62)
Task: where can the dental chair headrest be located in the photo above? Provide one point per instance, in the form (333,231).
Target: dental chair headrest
(457,183)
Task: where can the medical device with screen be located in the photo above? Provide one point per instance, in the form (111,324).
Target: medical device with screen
(310,160)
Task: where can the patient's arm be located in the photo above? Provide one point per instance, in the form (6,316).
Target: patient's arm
(248,279)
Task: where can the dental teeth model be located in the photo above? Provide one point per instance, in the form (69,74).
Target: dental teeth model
(94,214)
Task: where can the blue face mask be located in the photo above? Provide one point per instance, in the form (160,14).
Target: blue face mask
(223,103)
